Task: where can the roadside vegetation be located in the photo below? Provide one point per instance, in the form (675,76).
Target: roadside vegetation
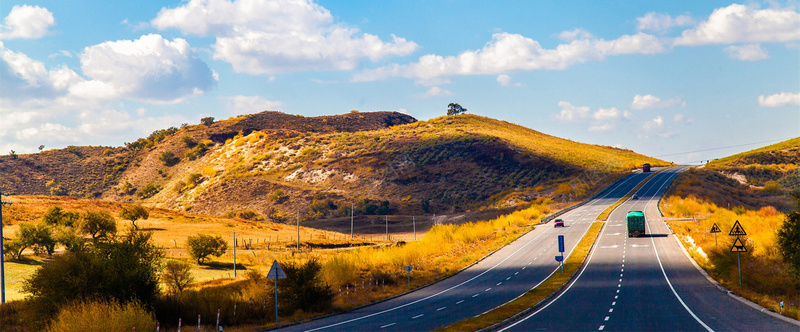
(76,283)
(767,276)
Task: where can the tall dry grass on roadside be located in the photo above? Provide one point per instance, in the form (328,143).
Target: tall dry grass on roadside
(102,315)
(766,278)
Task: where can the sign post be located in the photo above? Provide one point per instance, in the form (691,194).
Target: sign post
(276,272)
(738,245)
(408,269)
(560,258)
(715,230)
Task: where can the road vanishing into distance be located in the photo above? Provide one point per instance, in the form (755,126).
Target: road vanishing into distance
(645,284)
(497,279)
(628,284)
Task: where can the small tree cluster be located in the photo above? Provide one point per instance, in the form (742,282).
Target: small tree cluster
(201,246)
(207,120)
(455,109)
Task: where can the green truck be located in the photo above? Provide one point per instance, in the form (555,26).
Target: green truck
(635,221)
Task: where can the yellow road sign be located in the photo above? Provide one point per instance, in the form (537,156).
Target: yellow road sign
(737,229)
(715,228)
(738,246)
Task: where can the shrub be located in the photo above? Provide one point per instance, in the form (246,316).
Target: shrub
(148,191)
(57,216)
(100,315)
(303,289)
(169,159)
(201,246)
(279,197)
(207,120)
(789,239)
(121,269)
(189,141)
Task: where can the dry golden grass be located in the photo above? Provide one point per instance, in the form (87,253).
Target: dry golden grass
(766,279)
(533,297)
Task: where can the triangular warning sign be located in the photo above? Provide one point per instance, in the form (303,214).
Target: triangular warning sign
(737,229)
(276,272)
(738,246)
(715,228)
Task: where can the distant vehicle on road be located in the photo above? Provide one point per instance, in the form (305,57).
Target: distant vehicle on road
(635,221)
(558,222)
(646,168)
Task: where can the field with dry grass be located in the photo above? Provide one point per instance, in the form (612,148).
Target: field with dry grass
(766,278)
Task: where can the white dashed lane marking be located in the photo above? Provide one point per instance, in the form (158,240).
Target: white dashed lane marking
(417,316)
(387,325)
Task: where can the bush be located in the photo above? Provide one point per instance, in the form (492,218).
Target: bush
(303,288)
(57,216)
(123,270)
(148,191)
(169,159)
(789,239)
(207,120)
(201,246)
(103,315)
(99,225)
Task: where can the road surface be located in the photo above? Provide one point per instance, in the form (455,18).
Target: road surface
(501,277)
(645,284)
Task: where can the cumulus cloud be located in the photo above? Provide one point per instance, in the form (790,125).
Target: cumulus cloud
(780,99)
(506,80)
(150,68)
(743,24)
(267,37)
(641,102)
(750,52)
(508,52)
(572,113)
(251,104)
(27,22)
(25,79)
(661,23)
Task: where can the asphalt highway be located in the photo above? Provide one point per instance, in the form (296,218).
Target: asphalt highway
(495,280)
(645,284)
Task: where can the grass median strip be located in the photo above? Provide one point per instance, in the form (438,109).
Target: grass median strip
(535,296)
(604,216)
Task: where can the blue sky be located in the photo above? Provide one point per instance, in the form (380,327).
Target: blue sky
(681,80)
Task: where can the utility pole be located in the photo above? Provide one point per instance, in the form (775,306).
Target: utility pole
(234,254)
(414,221)
(298,230)
(2,255)
(386,218)
(352,206)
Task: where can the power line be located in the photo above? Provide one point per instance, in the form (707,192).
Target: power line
(725,147)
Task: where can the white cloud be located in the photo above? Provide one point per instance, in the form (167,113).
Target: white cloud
(150,68)
(24,79)
(601,127)
(661,23)
(506,80)
(508,52)
(780,99)
(606,114)
(571,113)
(750,52)
(641,102)
(574,34)
(743,24)
(656,124)
(26,22)
(267,37)
(435,91)
(251,104)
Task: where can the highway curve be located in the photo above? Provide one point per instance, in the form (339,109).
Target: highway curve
(645,284)
(501,277)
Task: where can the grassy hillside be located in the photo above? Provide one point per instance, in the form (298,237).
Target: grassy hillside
(754,179)
(272,165)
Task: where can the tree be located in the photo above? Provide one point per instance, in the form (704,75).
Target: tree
(455,109)
(39,237)
(201,246)
(122,269)
(789,238)
(13,154)
(99,225)
(57,216)
(134,213)
(41,147)
(207,120)
(177,274)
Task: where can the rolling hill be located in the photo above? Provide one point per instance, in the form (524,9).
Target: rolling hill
(753,179)
(271,165)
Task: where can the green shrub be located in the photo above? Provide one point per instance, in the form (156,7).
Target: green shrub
(148,191)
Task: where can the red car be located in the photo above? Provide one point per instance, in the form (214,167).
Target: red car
(558,222)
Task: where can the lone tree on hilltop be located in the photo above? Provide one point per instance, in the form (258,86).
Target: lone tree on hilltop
(207,120)
(201,246)
(455,109)
(134,213)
